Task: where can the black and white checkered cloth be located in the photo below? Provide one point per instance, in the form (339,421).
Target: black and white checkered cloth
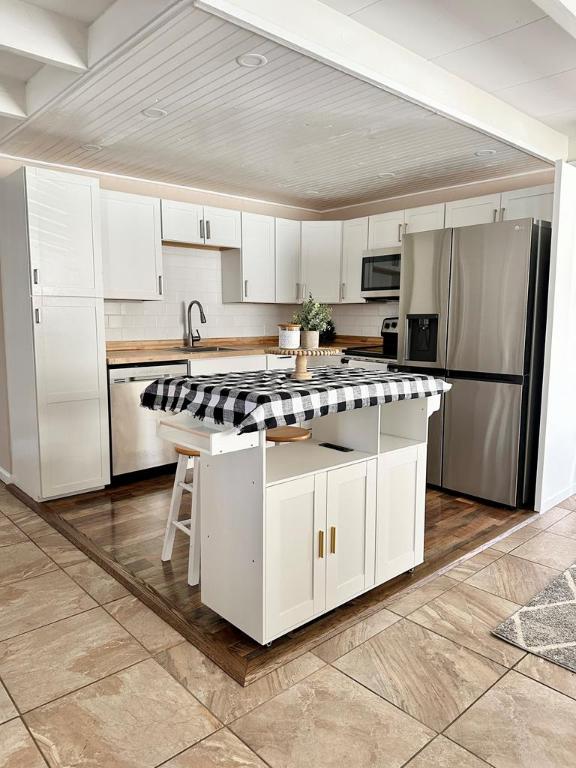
(256,400)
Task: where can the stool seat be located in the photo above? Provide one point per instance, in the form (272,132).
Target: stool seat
(287,434)
(182,451)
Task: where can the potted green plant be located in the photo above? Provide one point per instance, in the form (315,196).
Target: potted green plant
(313,318)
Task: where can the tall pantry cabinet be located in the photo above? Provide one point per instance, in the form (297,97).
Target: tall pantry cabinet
(51,272)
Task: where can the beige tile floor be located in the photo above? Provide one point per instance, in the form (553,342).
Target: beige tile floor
(90,677)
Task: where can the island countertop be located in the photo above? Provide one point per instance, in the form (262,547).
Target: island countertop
(255,400)
(156,351)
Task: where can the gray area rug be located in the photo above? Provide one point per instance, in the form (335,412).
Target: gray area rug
(546,626)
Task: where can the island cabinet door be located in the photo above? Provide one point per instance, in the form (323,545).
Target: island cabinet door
(400,511)
(295,552)
(350,529)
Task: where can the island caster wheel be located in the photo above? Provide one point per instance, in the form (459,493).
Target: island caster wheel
(269,644)
(411,570)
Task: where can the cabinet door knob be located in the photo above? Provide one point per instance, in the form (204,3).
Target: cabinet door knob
(399,232)
(502,211)
(245,289)
(35,276)
(333,540)
(37,316)
(207,229)
(202,236)
(160,285)
(495,215)
(343,291)
(320,543)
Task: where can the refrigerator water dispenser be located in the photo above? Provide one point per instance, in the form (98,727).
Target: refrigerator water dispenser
(422,333)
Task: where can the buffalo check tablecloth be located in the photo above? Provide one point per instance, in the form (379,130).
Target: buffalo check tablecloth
(256,400)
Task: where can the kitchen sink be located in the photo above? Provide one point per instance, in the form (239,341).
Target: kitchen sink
(205,349)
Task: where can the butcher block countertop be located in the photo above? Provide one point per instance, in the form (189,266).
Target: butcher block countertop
(133,352)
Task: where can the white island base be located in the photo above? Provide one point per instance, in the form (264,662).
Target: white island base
(290,531)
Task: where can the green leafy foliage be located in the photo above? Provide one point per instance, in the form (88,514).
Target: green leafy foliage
(312,315)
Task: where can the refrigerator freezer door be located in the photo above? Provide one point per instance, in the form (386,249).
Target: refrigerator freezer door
(481,439)
(489,297)
(424,284)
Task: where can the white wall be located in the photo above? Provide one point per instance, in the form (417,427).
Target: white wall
(556,477)
(191,273)
(5,458)
(363,319)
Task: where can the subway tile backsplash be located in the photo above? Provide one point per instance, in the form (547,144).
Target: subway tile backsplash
(195,274)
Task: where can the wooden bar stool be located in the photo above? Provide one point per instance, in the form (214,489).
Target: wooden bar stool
(287,434)
(190,527)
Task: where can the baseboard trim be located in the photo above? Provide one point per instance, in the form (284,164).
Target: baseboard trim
(5,476)
(553,501)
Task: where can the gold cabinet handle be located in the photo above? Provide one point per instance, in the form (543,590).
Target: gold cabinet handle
(333,540)
(320,543)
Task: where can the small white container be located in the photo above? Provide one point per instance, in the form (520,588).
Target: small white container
(288,335)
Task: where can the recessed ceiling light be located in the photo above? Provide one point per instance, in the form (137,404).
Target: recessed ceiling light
(154,113)
(91,147)
(251,60)
(312,192)
(387,175)
(485,152)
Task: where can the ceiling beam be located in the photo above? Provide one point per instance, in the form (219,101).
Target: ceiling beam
(36,33)
(12,97)
(317,30)
(563,12)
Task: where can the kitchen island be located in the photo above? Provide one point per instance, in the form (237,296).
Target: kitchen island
(289,532)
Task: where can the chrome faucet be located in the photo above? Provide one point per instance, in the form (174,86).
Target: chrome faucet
(194,337)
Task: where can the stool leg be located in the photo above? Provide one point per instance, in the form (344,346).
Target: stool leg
(194,554)
(174,507)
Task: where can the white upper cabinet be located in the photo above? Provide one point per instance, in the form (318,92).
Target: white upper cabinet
(258,267)
(287,261)
(385,229)
(534,202)
(474,210)
(321,254)
(200,225)
(424,218)
(354,243)
(182,222)
(131,246)
(222,227)
(64,232)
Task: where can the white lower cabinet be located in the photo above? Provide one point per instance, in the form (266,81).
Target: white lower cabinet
(319,543)
(400,511)
(72,394)
(350,521)
(295,573)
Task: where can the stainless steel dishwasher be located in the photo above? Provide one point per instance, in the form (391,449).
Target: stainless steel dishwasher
(135,444)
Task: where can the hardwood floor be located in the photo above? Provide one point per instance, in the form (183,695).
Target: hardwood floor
(122,527)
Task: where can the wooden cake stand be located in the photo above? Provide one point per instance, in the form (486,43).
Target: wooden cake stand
(301,372)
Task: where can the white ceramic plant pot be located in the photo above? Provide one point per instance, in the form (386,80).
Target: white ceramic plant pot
(288,335)
(309,339)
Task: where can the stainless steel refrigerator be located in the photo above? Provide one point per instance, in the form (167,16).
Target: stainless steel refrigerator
(473,310)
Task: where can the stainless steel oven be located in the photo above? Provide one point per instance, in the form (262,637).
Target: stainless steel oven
(381,273)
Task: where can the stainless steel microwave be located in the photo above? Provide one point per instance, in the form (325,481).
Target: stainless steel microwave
(381,273)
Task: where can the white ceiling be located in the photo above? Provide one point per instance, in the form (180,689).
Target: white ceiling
(507,47)
(81,10)
(294,131)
